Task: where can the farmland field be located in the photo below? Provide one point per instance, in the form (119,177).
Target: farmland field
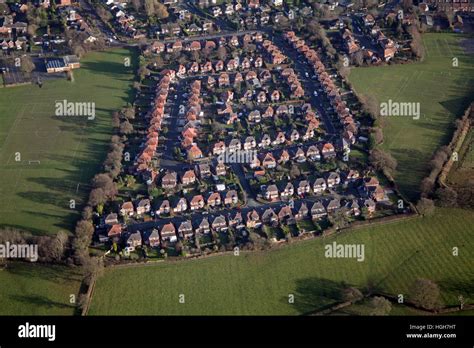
(259,283)
(46,160)
(443,91)
(35,289)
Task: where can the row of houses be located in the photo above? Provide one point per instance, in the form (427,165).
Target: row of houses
(155,117)
(276,56)
(231,65)
(270,160)
(11,29)
(265,141)
(258,115)
(180,228)
(178,205)
(171,179)
(122,17)
(286,190)
(338,104)
(190,130)
(197,45)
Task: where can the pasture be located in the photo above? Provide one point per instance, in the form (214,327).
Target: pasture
(36,289)
(260,283)
(443,90)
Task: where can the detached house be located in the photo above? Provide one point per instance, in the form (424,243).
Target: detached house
(287,190)
(143,206)
(253,219)
(328,151)
(111,219)
(271,192)
(214,199)
(280,139)
(163,208)
(300,156)
(285,215)
(265,142)
(270,217)
(127,209)
(319,186)
(269,161)
(203,226)
(224,80)
(204,170)
(185,229)
(231,197)
(189,177)
(250,143)
(197,202)
(235,220)
(302,212)
(219,223)
(169,180)
(333,205)
(180,205)
(284,157)
(303,187)
(234,145)
(218,148)
(333,179)
(133,241)
(168,232)
(313,153)
(114,231)
(318,211)
(154,239)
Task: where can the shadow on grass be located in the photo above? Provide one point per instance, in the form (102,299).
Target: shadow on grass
(40,301)
(316,294)
(56,274)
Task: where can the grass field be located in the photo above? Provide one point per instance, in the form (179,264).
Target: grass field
(36,195)
(443,91)
(34,289)
(260,283)
(462,172)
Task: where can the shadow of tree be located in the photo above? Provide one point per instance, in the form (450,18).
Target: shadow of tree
(40,301)
(315,294)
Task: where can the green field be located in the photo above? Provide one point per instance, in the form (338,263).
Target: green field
(462,172)
(36,195)
(443,91)
(35,289)
(259,283)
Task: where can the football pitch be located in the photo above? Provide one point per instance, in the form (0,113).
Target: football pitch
(47,161)
(443,84)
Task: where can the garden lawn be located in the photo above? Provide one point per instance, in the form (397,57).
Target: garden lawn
(58,155)
(35,289)
(259,283)
(443,91)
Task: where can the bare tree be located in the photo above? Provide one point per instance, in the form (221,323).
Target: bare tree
(425,206)
(380,306)
(425,293)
